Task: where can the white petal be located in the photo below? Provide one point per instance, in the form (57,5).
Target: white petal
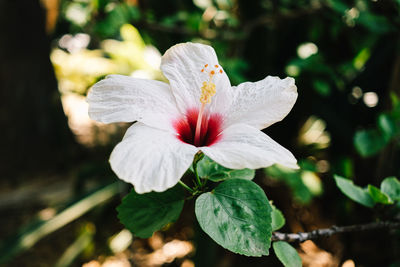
(243,146)
(182,65)
(121,98)
(262,103)
(151,159)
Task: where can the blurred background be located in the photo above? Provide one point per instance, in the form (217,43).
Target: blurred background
(57,192)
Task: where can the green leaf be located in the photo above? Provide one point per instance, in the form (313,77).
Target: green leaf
(322,87)
(237,215)
(378,196)
(362,58)
(354,192)
(144,214)
(278,220)
(338,6)
(369,142)
(209,169)
(375,23)
(287,254)
(307,165)
(391,187)
(387,126)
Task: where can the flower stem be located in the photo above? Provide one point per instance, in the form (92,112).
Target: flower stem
(198,126)
(186,187)
(198,180)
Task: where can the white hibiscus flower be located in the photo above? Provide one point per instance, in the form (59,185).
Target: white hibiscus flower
(198,110)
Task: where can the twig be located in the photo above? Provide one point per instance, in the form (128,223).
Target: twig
(301,237)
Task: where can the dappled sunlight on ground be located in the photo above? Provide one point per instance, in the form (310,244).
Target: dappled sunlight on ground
(313,256)
(110,262)
(349,263)
(138,254)
(167,253)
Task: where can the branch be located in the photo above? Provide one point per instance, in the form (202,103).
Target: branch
(301,237)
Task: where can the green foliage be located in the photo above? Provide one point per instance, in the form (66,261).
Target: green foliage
(144,214)
(304,183)
(348,37)
(378,196)
(345,167)
(278,220)
(81,15)
(361,58)
(77,247)
(391,187)
(361,14)
(36,230)
(354,192)
(209,169)
(388,193)
(322,88)
(114,19)
(287,254)
(237,215)
(292,178)
(375,23)
(387,126)
(235,67)
(369,142)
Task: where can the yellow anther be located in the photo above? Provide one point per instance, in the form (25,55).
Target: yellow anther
(208,89)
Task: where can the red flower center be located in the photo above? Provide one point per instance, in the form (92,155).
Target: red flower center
(211,127)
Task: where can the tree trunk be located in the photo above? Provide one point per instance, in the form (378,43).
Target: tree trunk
(34,129)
